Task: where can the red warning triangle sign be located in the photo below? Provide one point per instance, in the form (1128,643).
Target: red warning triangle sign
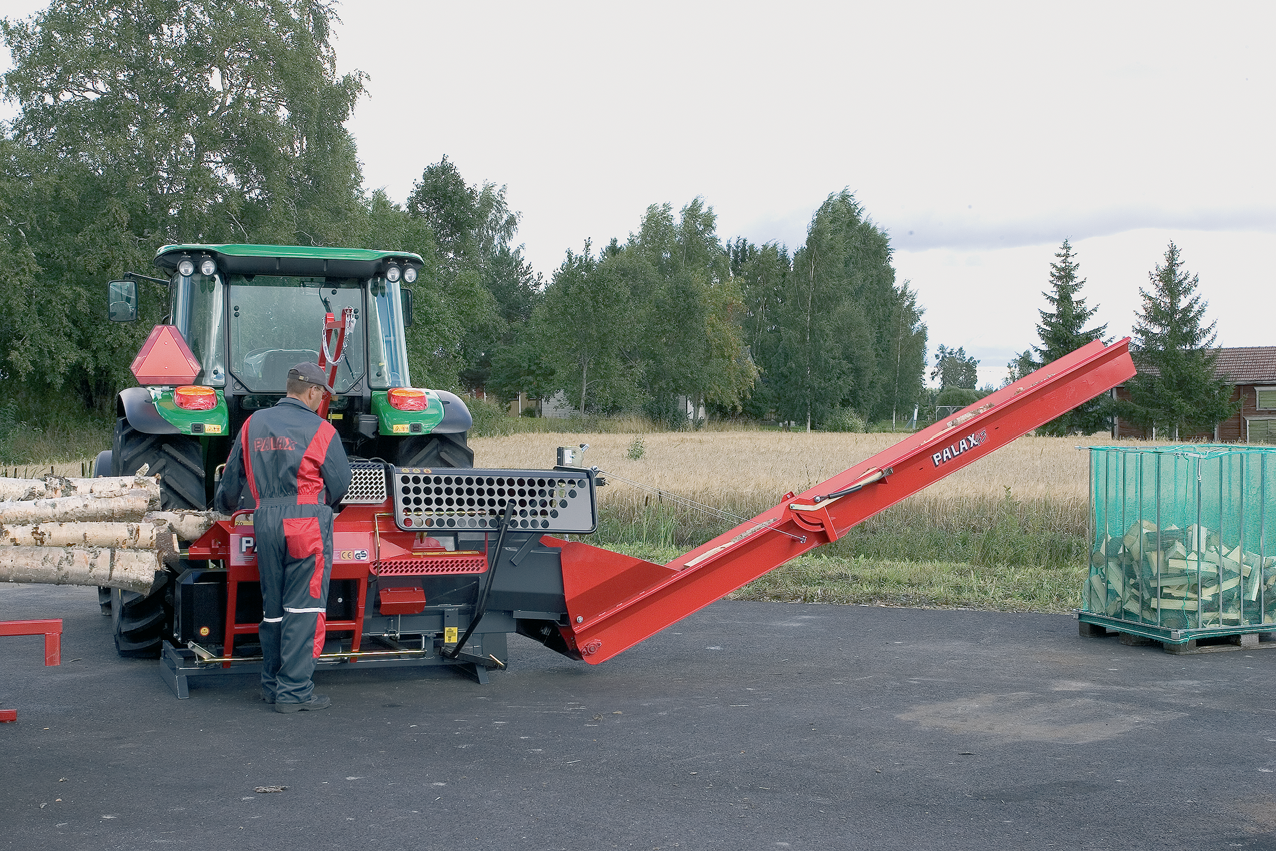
(165,359)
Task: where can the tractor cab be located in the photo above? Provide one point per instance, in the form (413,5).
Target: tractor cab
(242,315)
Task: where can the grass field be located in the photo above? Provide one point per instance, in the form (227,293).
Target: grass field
(1006,533)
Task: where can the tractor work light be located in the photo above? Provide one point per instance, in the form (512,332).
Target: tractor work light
(408,399)
(186,267)
(207,267)
(392,273)
(409,274)
(195,398)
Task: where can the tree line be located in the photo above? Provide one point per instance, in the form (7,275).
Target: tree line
(225,122)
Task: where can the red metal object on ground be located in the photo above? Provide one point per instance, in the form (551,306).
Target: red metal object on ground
(51,629)
(614,601)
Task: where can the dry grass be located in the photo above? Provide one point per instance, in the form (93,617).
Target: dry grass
(748,472)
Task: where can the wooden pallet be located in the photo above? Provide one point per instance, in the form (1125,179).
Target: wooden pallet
(1201,644)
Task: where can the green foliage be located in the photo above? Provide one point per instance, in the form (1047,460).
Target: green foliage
(36,431)
(957,397)
(843,419)
(954,368)
(1062,330)
(225,122)
(491,419)
(165,122)
(1176,389)
(588,329)
(840,323)
(636,449)
(1020,365)
(486,286)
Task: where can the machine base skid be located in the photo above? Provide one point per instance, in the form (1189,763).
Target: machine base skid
(178,665)
(1179,641)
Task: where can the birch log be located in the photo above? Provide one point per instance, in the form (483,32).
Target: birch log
(132,570)
(130,507)
(186,525)
(115,535)
(59,486)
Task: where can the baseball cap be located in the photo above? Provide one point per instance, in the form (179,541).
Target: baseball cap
(311,374)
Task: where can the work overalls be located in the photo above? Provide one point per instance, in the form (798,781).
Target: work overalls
(295,469)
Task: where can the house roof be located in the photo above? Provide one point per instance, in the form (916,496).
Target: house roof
(1248,365)
(1243,365)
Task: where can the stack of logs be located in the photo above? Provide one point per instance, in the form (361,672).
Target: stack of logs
(104,531)
(1180,578)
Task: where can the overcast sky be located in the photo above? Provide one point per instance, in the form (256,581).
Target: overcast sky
(979,135)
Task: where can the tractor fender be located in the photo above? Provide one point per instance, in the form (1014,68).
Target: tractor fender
(135,405)
(456,417)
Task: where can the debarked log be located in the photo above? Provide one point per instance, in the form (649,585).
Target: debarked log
(132,570)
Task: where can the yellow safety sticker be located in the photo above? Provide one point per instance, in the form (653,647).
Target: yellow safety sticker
(212,428)
(449,635)
(400,428)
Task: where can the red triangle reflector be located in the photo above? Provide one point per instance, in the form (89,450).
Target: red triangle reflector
(165,359)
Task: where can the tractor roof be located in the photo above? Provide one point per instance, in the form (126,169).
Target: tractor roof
(289,259)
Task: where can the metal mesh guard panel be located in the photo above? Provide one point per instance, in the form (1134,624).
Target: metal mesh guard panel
(367,484)
(434,566)
(474,500)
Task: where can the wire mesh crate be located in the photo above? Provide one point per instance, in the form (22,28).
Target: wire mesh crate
(1178,543)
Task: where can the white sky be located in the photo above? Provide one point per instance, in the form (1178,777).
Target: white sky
(979,135)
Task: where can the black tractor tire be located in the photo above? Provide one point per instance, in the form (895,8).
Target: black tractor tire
(178,459)
(141,622)
(435,450)
(102,467)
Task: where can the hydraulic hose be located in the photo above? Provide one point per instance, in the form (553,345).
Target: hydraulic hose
(480,606)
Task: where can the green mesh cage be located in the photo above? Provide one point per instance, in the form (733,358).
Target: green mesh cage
(1178,544)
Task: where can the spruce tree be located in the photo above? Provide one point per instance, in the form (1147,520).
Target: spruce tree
(1063,330)
(1177,389)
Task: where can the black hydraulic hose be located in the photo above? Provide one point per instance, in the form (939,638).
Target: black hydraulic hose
(480,605)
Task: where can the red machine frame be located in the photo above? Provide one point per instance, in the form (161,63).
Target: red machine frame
(614,601)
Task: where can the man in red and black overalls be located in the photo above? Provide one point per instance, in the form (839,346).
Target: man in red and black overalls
(295,470)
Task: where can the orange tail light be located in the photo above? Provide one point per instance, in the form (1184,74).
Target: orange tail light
(195,398)
(408,399)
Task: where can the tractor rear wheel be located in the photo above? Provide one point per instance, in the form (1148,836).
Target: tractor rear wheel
(178,459)
(435,450)
(142,621)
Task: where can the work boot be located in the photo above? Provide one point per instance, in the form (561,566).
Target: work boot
(314,704)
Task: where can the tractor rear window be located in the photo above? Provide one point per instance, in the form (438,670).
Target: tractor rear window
(277,322)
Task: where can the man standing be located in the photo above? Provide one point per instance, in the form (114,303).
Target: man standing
(295,469)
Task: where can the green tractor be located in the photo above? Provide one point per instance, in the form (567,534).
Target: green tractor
(240,316)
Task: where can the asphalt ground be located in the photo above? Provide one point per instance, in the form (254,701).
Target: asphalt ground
(746,726)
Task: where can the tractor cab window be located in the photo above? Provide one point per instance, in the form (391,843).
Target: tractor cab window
(387,348)
(277,322)
(197,311)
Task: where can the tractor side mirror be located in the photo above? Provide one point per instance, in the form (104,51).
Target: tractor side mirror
(405,296)
(121,301)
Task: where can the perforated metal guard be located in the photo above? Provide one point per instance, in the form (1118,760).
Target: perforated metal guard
(455,499)
(433,565)
(367,483)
